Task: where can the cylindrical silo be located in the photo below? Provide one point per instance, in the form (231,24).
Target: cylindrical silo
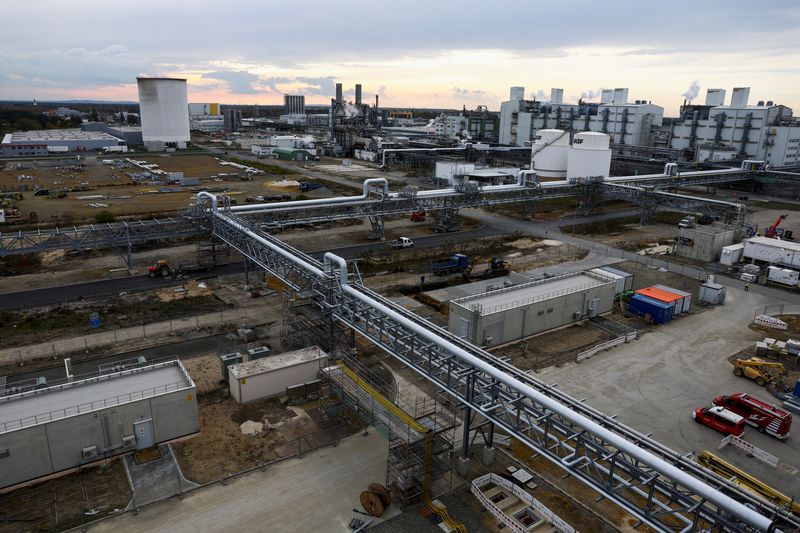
(164,112)
(549,154)
(589,155)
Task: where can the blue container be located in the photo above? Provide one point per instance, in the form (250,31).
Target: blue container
(660,312)
(797,388)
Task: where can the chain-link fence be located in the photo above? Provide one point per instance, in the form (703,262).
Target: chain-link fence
(777,310)
(63,347)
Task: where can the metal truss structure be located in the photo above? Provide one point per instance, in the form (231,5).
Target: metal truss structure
(664,490)
(376,205)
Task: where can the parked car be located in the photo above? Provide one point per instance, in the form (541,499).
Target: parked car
(401,242)
(720,419)
(761,415)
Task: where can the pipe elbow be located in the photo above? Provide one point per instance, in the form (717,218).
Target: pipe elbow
(330,259)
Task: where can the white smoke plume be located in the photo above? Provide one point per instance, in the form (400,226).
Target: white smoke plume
(591,94)
(540,95)
(692,92)
(350,110)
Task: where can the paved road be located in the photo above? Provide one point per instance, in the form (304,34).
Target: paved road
(112,287)
(315,493)
(154,354)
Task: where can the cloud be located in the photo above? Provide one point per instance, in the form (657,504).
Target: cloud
(324,86)
(471,94)
(239,81)
(112,65)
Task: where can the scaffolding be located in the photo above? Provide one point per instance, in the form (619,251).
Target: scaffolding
(419,430)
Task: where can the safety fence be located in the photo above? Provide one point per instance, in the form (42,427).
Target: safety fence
(586,354)
(777,310)
(749,450)
(512,522)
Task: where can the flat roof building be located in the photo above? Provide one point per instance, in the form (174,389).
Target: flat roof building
(511,313)
(67,426)
(71,140)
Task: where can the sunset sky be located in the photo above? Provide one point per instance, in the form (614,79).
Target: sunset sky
(413,53)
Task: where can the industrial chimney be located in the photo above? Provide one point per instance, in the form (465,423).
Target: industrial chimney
(358,94)
(338,93)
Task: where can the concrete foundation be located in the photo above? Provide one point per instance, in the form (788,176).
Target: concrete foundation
(489,453)
(462,466)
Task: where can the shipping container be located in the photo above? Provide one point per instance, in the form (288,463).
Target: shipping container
(687,297)
(712,293)
(663,296)
(784,276)
(659,312)
(619,281)
(772,251)
(627,275)
(731,255)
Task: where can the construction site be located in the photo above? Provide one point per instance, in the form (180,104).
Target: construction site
(253,332)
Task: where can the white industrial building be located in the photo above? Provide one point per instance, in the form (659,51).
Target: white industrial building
(206,117)
(55,141)
(625,122)
(163,105)
(737,130)
(271,376)
(504,315)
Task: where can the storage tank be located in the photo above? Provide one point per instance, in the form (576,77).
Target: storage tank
(549,154)
(589,155)
(163,107)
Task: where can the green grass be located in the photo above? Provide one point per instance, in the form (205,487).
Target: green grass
(266,167)
(773,204)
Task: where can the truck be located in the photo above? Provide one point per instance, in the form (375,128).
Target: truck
(306,186)
(783,276)
(761,415)
(456,263)
(687,222)
(400,242)
(162,268)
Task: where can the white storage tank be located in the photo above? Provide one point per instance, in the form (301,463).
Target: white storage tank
(589,155)
(549,154)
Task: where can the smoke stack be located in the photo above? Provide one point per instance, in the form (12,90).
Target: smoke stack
(358,94)
(376,101)
(338,93)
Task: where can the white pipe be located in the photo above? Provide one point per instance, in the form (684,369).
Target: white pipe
(255,236)
(316,202)
(700,488)
(212,197)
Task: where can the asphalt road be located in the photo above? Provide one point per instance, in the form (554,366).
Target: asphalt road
(154,354)
(112,287)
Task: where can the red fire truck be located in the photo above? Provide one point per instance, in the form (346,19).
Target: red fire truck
(765,417)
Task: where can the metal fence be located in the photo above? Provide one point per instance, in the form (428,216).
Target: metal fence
(777,310)
(64,347)
(586,354)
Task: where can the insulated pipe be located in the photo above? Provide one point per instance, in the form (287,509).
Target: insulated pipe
(331,258)
(212,197)
(277,249)
(727,503)
(316,202)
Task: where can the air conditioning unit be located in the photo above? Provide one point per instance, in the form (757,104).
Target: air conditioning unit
(89,452)
(128,441)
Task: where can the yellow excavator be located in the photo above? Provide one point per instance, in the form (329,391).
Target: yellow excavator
(759,370)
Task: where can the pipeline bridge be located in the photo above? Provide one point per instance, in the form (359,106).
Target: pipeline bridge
(376,203)
(663,489)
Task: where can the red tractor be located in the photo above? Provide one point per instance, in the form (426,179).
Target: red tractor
(159,269)
(418,216)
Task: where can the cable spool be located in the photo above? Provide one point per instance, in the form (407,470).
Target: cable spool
(380,490)
(372,503)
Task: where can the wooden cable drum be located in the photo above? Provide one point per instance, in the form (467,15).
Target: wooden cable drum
(372,503)
(386,497)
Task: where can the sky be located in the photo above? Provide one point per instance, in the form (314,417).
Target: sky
(413,53)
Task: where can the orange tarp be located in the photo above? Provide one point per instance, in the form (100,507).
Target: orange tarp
(659,294)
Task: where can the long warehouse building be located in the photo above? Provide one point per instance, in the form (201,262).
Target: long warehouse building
(504,315)
(63,427)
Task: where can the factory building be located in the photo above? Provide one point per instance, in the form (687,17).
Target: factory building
(294,104)
(504,315)
(206,117)
(705,243)
(132,135)
(63,427)
(56,141)
(719,132)
(204,110)
(232,120)
(625,122)
(163,104)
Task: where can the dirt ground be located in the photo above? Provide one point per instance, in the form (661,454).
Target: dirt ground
(644,276)
(277,431)
(553,347)
(67,501)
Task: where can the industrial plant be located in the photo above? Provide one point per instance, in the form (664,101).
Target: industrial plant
(555,316)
